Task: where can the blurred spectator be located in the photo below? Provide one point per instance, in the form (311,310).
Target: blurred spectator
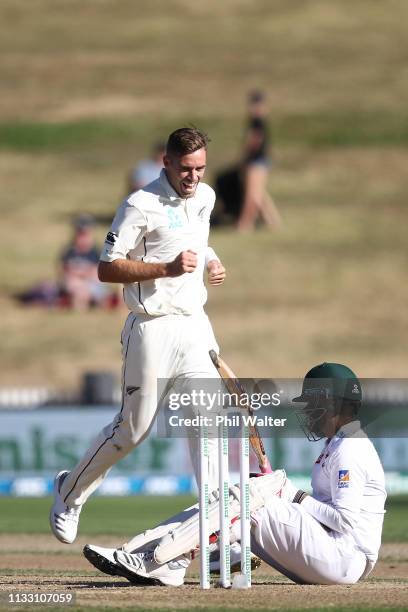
(242,188)
(79,262)
(229,189)
(78,286)
(257,162)
(147,170)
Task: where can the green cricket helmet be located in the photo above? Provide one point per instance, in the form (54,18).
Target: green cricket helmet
(326,388)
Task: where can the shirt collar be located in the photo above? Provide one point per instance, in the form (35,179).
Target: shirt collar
(350,430)
(170,192)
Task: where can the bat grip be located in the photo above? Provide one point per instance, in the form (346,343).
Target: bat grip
(266,468)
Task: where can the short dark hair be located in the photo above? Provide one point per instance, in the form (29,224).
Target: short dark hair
(255,96)
(186,140)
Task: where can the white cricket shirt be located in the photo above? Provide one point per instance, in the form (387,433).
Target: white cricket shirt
(349,489)
(154,225)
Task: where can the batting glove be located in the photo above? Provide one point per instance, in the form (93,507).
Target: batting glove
(291,493)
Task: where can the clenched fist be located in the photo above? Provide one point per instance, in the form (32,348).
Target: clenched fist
(216,272)
(186,261)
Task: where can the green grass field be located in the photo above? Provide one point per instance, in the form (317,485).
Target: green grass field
(124,516)
(31,560)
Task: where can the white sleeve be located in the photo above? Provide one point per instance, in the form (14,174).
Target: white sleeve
(210,255)
(208,201)
(347,481)
(127,230)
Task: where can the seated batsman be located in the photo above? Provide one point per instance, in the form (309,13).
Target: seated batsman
(329,537)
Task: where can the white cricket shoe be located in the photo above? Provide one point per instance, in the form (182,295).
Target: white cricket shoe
(63,519)
(104,560)
(143,565)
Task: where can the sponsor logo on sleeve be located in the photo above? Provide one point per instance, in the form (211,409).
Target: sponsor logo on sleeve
(344,479)
(111,238)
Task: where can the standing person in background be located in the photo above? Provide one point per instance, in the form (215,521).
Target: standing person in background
(158,249)
(147,170)
(257,202)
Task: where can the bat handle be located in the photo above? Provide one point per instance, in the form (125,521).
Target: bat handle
(266,468)
(214,358)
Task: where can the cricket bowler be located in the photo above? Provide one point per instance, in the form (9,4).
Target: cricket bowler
(157,248)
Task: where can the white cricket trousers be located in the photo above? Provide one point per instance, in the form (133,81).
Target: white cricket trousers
(292,541)
(172,347)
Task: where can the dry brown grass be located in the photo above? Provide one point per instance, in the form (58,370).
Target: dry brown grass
(330,285)
(66,59)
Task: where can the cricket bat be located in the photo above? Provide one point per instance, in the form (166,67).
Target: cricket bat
(234,386)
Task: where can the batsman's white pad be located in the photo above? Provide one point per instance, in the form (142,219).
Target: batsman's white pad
(150,537)
(185,537)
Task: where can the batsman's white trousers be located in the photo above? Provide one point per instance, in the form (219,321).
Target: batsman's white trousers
(292,541)
(169,347)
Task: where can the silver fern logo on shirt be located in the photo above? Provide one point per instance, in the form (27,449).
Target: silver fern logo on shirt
(174,219)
